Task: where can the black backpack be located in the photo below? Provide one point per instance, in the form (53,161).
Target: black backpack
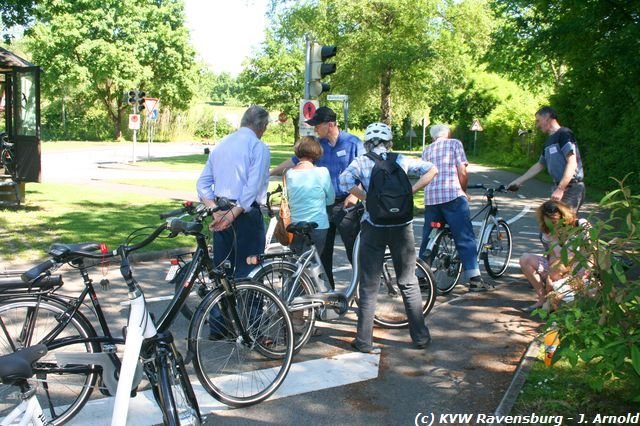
(390,195)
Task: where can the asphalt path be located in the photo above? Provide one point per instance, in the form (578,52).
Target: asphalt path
(478,339)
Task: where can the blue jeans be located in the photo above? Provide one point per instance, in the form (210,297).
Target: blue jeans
(455,213)
(244,238)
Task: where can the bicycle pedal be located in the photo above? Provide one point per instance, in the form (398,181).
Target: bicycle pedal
(329,314)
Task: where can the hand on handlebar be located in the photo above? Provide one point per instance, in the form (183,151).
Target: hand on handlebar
(513,186)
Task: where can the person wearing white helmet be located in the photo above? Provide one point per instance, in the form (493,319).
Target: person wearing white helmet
(376,234)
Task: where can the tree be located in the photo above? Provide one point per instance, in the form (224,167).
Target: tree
(14,12)
(518,52)
(224,88)
(94,51)
(598,96)
(392,55)
(274,78)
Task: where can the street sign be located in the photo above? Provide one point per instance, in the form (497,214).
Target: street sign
(153,115)
(337,97)
(308,108)
(150,104)
(307,111)
(134,121)
(476,127)
(282,117)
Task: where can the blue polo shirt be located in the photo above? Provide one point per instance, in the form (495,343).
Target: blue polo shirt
(337,158)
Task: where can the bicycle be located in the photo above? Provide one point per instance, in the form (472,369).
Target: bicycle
(7,155)
(81,356)
(298,281)
(16,370)
(181,260)
(241,378)
(494,245)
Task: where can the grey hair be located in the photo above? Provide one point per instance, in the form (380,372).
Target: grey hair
(439,131)
(255,117)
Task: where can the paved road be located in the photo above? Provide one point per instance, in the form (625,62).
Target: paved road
(478,339)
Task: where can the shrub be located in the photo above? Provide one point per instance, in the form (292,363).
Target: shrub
(602,326)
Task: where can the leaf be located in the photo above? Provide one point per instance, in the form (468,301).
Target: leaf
(635,358)
(609,195)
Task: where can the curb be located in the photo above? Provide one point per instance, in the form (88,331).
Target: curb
(519,379)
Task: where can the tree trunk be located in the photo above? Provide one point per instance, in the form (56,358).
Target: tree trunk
(117,134)
(385,95)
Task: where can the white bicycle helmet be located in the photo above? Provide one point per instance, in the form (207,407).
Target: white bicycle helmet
(377,132)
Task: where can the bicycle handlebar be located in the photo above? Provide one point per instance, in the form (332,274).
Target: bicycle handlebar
(62,253)
(35,272)
(500,188)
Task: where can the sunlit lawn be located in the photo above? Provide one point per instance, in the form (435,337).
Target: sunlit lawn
(73,214)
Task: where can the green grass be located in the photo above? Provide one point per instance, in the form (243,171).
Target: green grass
(66,213)
(563,390)
(73,214)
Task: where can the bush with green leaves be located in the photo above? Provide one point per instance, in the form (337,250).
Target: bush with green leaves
(601,327)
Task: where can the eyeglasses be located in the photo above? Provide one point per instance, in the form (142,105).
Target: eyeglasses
(550,208)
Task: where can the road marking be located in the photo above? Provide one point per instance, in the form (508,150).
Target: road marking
(307,376)
(517,217)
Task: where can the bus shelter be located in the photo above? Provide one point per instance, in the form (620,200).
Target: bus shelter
(20,115)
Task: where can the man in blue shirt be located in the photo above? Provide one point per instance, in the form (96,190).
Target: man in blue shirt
(561,158)
(339,150)
(238,169)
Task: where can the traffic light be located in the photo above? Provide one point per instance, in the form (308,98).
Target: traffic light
(136,98)
(318,69)
(140,100)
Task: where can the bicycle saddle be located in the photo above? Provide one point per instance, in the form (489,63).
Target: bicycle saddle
(301,228)
(17,366)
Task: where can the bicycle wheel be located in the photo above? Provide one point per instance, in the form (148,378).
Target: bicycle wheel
(390,311)
(62,389)
(176,397)
(496,251)
(244,364)
(279,277)
(445,263)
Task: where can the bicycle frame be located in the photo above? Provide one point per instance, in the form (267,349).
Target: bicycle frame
(490,218)
(29,411)
(309,261)
(145,340)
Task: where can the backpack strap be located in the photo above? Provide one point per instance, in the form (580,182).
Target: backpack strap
(374,157)
(387,164)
